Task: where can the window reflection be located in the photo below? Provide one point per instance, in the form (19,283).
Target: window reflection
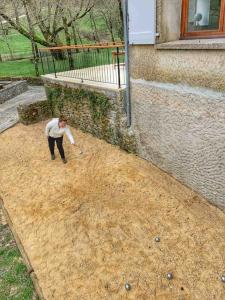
(203,15)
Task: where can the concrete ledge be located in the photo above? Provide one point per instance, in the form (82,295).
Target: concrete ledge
(71,82)
(197,44)
(12,90)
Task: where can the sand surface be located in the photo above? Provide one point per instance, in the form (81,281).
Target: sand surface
(88,227)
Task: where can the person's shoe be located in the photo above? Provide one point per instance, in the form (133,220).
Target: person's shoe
(64,160)
(52,157)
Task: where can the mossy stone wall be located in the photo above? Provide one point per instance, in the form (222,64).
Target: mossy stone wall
(99,112)
(34,112)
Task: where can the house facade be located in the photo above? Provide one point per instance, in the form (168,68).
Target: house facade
(177,89)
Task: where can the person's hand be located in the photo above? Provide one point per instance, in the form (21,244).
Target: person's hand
(73,144)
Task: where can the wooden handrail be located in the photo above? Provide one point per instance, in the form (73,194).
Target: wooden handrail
(86,46)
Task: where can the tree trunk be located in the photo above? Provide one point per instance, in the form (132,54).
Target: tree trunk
(121,30)
(68,42)
(6,40)
(78,33)
(110,26)
(31,30)
(35,58)
(25,33)
(94,27)
(75,36)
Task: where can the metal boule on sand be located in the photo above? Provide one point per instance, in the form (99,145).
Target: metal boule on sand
(128,286)
(169,276)
(157,239)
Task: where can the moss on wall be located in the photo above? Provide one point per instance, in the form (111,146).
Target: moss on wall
(95,112)
(85,109)
(35,112)
(92,112)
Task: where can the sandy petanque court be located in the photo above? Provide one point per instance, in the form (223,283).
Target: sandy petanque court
(89,227)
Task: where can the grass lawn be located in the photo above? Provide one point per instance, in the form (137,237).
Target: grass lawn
(15,283)
(15,68)
(18,44)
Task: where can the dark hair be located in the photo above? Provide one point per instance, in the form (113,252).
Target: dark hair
(62,119)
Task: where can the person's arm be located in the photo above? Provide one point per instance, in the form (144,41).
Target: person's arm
(50,125)
(69,135)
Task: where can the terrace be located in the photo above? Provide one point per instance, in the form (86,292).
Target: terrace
(99,65)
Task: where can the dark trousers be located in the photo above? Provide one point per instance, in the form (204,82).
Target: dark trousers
(59,143)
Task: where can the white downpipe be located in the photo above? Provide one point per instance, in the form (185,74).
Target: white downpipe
(126,40)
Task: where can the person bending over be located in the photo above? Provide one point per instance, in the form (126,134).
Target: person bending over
(55,130)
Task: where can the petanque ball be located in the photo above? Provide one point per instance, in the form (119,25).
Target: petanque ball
(127,286)
(157,239)
(223,278)
(169,276)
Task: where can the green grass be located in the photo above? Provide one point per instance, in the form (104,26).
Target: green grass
(15,283)
(18,44)
(16,68)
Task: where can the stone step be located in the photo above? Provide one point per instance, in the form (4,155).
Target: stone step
(8,110)
(12,89)
(6,125)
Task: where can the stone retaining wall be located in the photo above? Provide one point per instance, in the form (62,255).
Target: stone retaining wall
(34,112)
(12,89)
(96,110)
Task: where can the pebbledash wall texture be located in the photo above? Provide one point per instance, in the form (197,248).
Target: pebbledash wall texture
(178,105)
(182,130)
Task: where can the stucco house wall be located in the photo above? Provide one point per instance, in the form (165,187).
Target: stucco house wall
(178,104)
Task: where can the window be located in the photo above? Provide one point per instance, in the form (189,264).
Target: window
(203,18)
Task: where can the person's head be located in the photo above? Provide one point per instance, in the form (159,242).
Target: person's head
(62,122)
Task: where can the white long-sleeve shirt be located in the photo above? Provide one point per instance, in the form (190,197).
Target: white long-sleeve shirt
(52,129)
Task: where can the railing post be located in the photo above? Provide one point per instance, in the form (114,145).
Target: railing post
(53,60)
(42,65)
(118,67)
(47,60)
